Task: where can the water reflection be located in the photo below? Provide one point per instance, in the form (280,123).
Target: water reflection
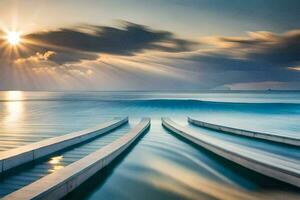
(195,183)
(56,160)
(56,163)
(179,169)
(195,186)
(13,109)
(14,95)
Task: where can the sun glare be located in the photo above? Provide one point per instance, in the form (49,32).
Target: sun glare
(13,37)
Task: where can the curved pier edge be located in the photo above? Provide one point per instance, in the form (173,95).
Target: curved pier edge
(252,134)
(65,180)
(21,155)
(276,167)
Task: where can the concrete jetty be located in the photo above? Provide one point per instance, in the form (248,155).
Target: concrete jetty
(18,156)
(272,165)
(65,180)
(264,136)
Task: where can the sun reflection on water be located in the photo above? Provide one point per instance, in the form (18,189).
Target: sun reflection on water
(56,160)
(56,163)
(14,95)
(13,109)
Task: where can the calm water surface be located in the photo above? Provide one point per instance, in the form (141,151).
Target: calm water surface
(161,165)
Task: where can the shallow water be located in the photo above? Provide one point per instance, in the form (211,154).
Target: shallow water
(161,165)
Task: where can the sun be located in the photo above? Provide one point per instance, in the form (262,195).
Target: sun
(13,38)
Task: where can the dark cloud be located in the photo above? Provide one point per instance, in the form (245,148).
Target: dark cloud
(260,57)
(87,41)
(277,50)
(259,51)
(64,56)
(284,51)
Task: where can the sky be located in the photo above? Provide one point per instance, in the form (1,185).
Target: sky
(150,45)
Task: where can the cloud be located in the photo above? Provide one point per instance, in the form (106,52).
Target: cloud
(135,56)
(261,56)
(258,51)
(38,57)
(266,47)
(297,68)
(73,57)
(86,42)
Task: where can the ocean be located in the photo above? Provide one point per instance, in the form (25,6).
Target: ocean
(160,165)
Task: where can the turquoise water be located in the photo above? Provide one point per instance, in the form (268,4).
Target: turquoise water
(161,165)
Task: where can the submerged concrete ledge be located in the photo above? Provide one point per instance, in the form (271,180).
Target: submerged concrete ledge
(65,180)
(263,136)
(272,165)
(18,156)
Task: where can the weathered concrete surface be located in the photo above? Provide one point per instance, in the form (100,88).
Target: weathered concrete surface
(30,152)
(63,181)
(263,136)
(272,165)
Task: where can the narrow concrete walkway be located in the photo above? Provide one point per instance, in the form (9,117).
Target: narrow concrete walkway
(275,166)
(264,136)
(65,180)
(17,178)
(15,157)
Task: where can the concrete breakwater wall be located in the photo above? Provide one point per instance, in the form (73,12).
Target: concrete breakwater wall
(65,180)
(259,135)
(15,157)
(272,165)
